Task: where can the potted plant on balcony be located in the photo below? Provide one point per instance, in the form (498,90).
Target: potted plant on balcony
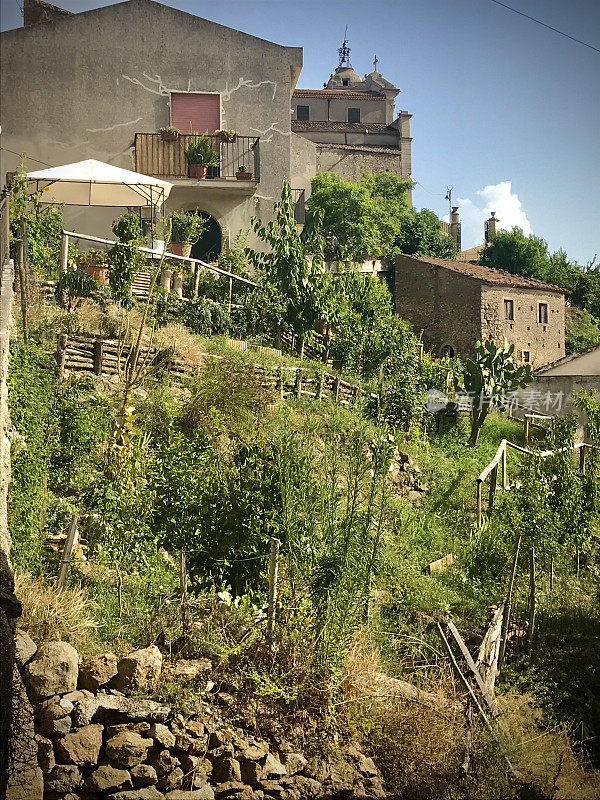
(94,263)
(169,133)
(186,229)
(225,136)
(242,174)
(200,156)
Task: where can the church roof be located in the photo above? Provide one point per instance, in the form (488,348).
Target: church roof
(334,93)
(377,77)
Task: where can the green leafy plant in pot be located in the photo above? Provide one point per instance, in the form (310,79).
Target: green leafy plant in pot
(200,156)
(95,264)
(186,229)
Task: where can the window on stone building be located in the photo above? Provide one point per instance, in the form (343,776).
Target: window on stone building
(345,82)
(526,356)
(509,309)
(354,115)
(303,112)
(543,313)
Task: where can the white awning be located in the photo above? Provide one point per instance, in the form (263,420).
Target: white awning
(94,183)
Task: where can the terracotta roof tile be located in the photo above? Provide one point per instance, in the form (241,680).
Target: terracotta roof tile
(486,274)
(333,94)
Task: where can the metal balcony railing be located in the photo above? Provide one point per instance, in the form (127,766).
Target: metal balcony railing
(166,159)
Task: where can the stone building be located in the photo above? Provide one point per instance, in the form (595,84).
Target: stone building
(100,84)
(353,124)
(454,304)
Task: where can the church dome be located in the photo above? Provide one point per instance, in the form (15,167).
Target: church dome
(343,76)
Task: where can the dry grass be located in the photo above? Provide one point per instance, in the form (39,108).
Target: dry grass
(185,345)
(52,614)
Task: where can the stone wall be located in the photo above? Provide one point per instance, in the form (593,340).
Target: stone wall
(352,161)
(446,307)
(98,738)
(545,342)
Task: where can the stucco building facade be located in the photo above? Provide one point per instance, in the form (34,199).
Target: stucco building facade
(100,84)
(454,304)
(353,124)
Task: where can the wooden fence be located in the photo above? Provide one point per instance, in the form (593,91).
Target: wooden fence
(96,356)
(500,462)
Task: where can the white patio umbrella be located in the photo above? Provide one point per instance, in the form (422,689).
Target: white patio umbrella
(94,183)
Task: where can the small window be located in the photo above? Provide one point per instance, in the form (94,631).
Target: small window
(354,115)
(345,82)
(509,309)
(447,351)
(525,355)
(543,313)
(303,112)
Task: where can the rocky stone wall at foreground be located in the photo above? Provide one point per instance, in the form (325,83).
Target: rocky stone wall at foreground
(95,740)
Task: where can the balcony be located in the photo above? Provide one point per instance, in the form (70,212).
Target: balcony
(165,159)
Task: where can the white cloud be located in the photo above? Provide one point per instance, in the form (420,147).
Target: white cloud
(497,197)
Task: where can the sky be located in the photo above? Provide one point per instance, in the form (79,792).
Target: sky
(505,111)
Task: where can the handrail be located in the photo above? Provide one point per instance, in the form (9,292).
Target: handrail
(170,256)
(500,456)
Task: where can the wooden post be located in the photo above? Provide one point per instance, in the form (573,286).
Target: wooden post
(493,483)
(273,570)
(278,335)
(61,354)
(582,459)
(531,625)
(301,353)
(336,388)
(98,356)
(298,383)
(185,614)
(505,468)
(67,553)
(487,695)
(526,429)
(508,604)
(230,295)
(327,344)
(22,266)
(479,504)
(63,265)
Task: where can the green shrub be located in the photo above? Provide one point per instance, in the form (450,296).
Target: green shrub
(186,226)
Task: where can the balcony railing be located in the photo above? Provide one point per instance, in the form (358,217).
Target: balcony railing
(166,159)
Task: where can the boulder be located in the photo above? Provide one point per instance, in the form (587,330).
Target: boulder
(366,766)
(172,780)
(205,793)
(110,708)
(143,775)
(252,772)
(189,669)
(53,669)
(54,708)
(226,769)
(63,778)
(139,670)
(55,727)
(97,671)
(148,793)
(45,753)
(230,789)
(80,747)
(106,779)
(308,787)
(128,748)
(294,763)
(136,727)
(163,761)
(25,648)
(162,735)
(272,767)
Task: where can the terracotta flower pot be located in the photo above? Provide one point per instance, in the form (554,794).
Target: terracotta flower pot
(181,249)
(244,176)
(99,272)
(197,171)
(177,284)
(165,280)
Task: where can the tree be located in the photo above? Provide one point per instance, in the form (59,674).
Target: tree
(516,253)
(488,378)
(373,216)
(286,266)
(582,330)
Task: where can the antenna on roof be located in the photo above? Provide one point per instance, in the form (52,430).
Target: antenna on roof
(344,51)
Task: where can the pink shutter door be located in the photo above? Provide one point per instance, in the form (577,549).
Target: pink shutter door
(196,112)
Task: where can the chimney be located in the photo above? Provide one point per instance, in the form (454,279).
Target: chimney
(490,227)
(455,227)
(35,11)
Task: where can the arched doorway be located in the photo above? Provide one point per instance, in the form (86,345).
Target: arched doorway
(447,351)
(208,247)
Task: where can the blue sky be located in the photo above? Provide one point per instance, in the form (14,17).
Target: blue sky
(504,110)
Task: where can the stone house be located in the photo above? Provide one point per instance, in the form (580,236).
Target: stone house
(99,84)
(454,304)
(352,123)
